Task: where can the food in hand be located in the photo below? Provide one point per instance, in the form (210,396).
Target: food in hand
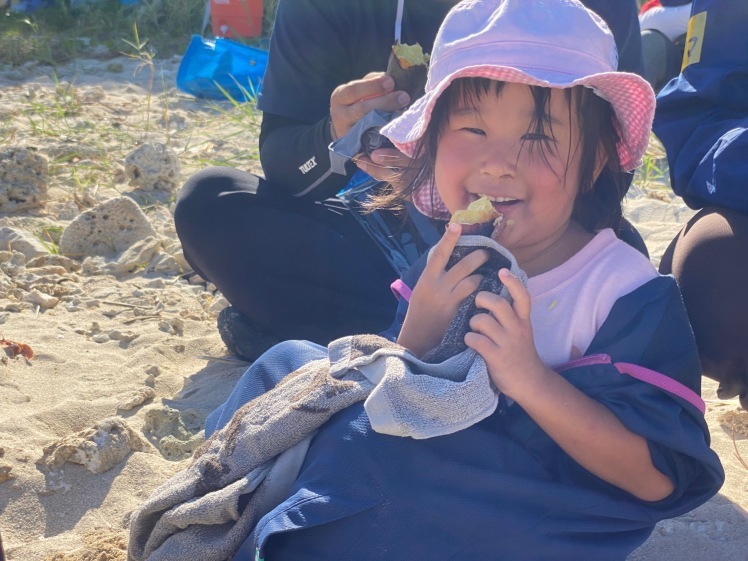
(408,66)
(480,218)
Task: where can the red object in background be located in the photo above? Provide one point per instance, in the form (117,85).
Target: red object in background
(236,18)
(649,5)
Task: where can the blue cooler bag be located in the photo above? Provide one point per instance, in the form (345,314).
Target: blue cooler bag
(212,65)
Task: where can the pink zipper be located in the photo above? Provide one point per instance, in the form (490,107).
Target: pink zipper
(590,360)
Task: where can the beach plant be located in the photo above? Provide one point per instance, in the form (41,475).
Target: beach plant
(143,53)
(653,175)
(237,118)
(49,237)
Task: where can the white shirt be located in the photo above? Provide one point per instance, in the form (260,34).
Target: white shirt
(571,301)
(671,21)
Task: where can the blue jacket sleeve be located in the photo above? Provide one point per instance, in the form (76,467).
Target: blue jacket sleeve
(650,328)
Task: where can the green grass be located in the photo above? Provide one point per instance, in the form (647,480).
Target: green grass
(652,177)
(59,33)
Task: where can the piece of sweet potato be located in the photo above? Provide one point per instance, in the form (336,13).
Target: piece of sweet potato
(408,66)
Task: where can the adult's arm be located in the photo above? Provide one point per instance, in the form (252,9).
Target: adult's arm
(322,56)
(702,116)
(623,20)
(296,158)
(295,97)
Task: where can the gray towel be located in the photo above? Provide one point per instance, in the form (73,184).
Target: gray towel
(244,470)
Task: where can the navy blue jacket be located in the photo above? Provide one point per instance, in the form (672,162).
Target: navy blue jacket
(503,489)
(702,115)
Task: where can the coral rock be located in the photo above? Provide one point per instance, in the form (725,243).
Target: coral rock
(137,256)
(153,166)
(137,398)
(106,230)
(18,240)
(24,179)
(98,448)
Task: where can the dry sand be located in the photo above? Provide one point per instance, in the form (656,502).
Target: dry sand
(137,354)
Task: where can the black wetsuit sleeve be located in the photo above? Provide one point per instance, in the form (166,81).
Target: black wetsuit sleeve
(623,20)
(296,159)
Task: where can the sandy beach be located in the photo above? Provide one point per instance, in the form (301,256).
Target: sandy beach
(126,360)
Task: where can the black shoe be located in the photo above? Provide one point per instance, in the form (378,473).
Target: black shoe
(241,337)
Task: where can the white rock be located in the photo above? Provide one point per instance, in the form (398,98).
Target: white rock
(136,398)
(164,264)
(44,301)
(153,166)
(116,335)
(156,283)
(18,240)
(98,448)
(218,304)
(181,261)
(54,260)
(138,255)
(106,230)
(24,178)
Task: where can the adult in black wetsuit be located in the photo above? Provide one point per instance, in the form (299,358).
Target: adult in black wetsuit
(293,262)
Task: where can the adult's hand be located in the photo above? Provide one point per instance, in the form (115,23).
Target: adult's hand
(350,102)
(388,164)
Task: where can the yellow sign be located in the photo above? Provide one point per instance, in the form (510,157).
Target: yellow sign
(694,39)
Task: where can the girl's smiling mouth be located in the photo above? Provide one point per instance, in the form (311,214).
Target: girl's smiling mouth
(500,203)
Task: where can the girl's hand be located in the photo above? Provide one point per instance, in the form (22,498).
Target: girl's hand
(504,338)
(439,293)
(585,429)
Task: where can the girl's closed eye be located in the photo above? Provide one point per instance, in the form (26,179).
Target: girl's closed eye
(538,137)
(466,119)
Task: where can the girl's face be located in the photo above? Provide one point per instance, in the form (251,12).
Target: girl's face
(490,148)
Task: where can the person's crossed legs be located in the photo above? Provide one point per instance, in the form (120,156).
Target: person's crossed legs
(295,269)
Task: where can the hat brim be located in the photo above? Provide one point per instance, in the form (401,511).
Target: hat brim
(630,95)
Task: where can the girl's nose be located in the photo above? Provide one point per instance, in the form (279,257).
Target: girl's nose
(500,158)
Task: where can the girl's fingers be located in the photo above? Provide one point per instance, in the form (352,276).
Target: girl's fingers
(479,343)
(467,265)
(499,307)
(487,326)
(439,256)
(467,286)
(519,293)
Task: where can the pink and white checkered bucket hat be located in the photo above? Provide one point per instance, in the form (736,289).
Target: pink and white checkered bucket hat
(550,43)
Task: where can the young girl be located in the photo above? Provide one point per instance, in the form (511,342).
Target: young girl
(599,432)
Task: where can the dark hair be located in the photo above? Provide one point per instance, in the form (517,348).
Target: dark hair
(598,203)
